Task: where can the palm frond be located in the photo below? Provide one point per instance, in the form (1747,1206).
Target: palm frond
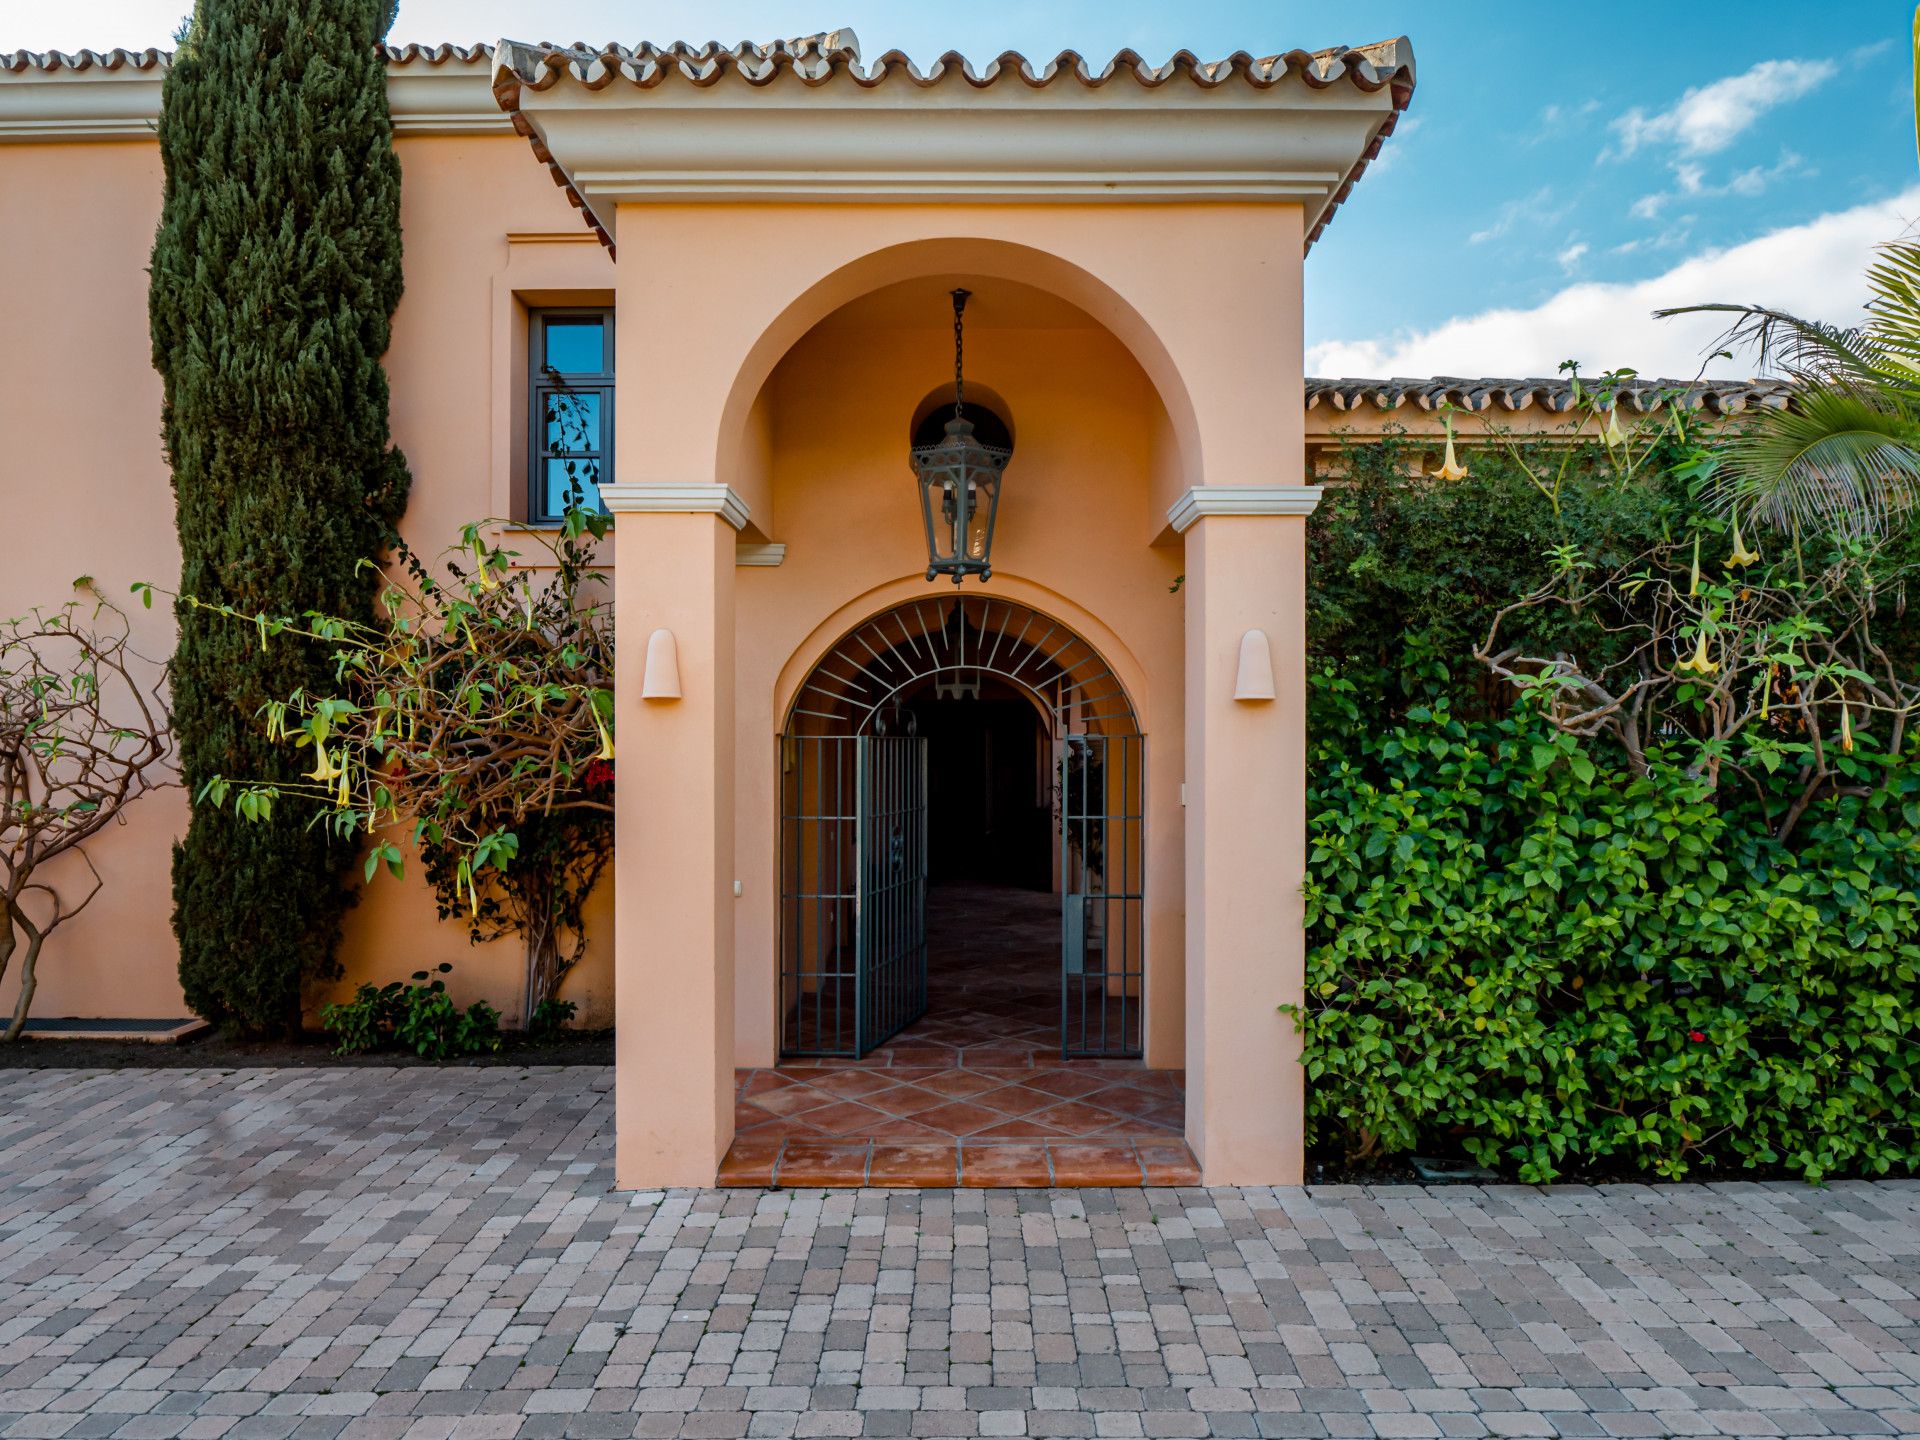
(1839,460)
(1893,304)
(1810,352)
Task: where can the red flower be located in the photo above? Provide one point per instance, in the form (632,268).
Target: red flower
(1696,1035)
(598,774)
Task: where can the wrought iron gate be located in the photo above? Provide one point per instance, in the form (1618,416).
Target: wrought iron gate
(853,887)
(1102,888)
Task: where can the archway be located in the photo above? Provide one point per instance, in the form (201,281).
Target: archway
(962,843)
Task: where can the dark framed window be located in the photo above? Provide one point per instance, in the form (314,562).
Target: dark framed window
(571,416)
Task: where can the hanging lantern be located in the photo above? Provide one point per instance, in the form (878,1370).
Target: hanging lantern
(959,482)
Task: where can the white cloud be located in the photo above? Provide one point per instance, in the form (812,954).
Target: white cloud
(1535,210)
(1691,184)
(1812,270)
(1570,256)
(1709,118)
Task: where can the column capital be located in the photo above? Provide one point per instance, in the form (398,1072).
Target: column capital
(1204,500)
(627,497)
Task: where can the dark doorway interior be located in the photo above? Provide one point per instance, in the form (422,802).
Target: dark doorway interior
(989,808)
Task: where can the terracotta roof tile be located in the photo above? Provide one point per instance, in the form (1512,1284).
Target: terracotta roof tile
(817,59)
(20,61)
(1715,397)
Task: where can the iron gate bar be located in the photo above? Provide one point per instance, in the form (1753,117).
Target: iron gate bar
(853,842)
(1088,826)
(872,664)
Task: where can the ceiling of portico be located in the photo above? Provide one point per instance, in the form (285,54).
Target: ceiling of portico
(926,301)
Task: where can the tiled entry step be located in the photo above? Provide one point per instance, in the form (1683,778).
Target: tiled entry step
(911,1164)
(883,1123)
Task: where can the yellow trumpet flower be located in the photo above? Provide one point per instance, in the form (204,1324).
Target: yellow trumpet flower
(1613,436)
(606,740)
(1700,662)
(487,582)
(1694,587)
(340,796)
(1846,727)
(1741,555)
(1450,466)
(324,770)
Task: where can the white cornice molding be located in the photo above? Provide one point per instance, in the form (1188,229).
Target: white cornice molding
(452,98)
(649,498)
(1204,500)
(774,554)
(679,143)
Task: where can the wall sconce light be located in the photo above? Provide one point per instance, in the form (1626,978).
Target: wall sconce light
(661,679)
(1254,683)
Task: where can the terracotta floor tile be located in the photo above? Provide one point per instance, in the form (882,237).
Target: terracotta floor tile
(1144,1127)
(1067,1084)
(1075,1117)
(901,1128)
(1130,1100)
(1168,1164)
(823,1162)
(853,1084)
(1077,1163)
(759,1082)
(1016,1100)
(985,1056)
(984,1063)
(1022,1128)
(987,1166)
(766,1126)
(845,1117)
(960,1117)
(958,1083)
(914,1164)
(905,1100)
(794,1100)
(920,1055)
(750,1161)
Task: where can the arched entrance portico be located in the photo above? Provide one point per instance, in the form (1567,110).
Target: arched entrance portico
(959,756)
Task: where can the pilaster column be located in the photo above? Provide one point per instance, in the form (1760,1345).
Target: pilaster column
(1246,828)
(673,832)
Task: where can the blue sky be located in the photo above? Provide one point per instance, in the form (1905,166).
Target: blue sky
(1561,172)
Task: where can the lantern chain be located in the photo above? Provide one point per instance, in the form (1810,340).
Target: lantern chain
(959,354)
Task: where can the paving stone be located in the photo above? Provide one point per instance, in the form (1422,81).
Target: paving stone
(370,1254)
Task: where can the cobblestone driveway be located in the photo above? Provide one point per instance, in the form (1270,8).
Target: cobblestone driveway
(438,1253)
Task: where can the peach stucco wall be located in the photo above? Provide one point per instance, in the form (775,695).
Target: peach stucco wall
(1184,374)
(88,493)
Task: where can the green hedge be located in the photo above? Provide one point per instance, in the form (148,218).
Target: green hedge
(1519,950)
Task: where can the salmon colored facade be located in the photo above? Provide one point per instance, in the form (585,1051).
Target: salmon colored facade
(776,232)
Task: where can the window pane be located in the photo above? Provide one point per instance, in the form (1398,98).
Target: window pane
(575,346)
(573,421)
(578,480)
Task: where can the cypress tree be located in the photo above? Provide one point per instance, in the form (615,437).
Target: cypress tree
(275,274)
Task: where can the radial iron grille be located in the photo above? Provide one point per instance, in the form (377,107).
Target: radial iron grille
(955,640)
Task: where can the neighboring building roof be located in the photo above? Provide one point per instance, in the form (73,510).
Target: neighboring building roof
(1714,397)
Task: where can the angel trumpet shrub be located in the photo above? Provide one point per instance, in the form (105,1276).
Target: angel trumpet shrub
(1700,662)
(1741,556)
(1450,466)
